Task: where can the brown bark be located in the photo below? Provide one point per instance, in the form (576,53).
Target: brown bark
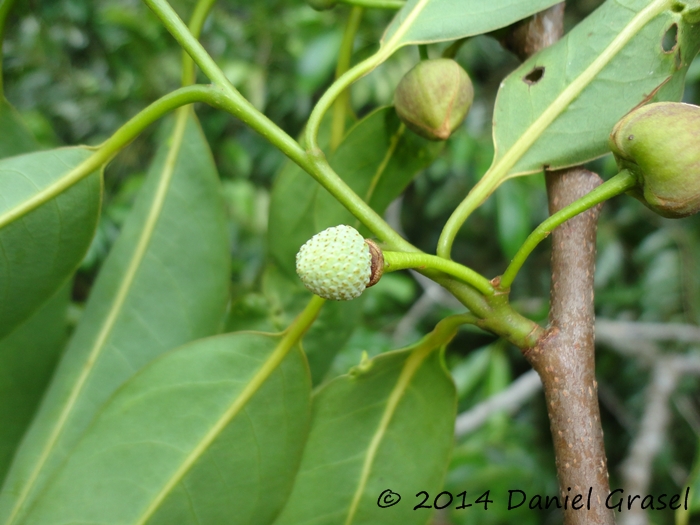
(565,356)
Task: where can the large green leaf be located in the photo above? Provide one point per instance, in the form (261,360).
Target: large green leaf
(212,433)
(559,107)
(29,353)
(16,138)
(164,283)
(377,158)
(425,21)
(27,358)
(388,424)
(40,250)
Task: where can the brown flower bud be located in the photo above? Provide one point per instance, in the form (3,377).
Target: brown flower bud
(434,97)
(660,144)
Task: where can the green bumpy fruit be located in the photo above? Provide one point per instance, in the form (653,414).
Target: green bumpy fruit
(434,98)
(336,263)
(660,144)
(322,5)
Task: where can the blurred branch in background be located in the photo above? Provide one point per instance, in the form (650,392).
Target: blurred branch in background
(510,400)
(640,340)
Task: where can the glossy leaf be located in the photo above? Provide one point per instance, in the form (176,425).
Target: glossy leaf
(39,251)
(559,107)
(388,424)
(16,138)
(426,21)
(164,283)
(212,433)
(27,358)
(29,353)
(378,158)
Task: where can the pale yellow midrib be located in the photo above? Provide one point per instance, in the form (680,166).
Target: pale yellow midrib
(394,42)
(409,369)
(574,89)
(120,298)
(290,337)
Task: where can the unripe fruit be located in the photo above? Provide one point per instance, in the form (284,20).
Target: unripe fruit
(660,144)
(322,5)
(434,97)
(339,263)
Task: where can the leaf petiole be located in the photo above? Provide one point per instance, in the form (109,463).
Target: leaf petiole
(620,183)
(394,261)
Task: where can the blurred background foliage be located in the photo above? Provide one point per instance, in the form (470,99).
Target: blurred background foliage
(77,69)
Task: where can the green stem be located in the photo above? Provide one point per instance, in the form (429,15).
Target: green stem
(314,163)
(620,183)
(376,4)
(501,168)
(509,324)
(423,52)
(5,8)
(113,145)
(394,261)
(473,200)
(344,57)
(199,16)
(333,92)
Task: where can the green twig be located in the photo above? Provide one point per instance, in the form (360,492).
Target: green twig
(620,183)
(314,162)
(423,52)
(343,102)
(394,261)
(508,322)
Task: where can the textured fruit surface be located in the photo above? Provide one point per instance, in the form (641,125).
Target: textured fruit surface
(434,97)
(335,264)
(660,144)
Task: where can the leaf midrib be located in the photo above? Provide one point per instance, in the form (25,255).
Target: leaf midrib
(407,372)
(120,299)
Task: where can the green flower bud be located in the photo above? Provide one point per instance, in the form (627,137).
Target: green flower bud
(434,97)
(660,144)
(322,5)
